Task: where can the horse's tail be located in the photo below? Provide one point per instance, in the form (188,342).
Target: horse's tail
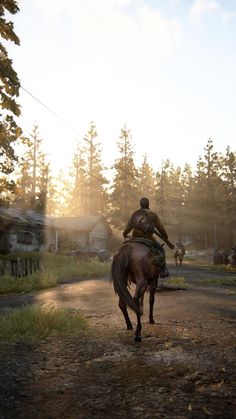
(119,273)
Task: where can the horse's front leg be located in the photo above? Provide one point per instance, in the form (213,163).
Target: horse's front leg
(152,300)
(123,308)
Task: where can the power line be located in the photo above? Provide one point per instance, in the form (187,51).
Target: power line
(95,177)
(71,127)
(48,109)
(135,178)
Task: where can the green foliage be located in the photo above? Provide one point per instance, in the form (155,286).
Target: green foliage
(227,280)
(36,281)
(56,268)
(87,193)
(124,197)
(177,281)
(22,255)
(9,90)
(224,268)
(34,322)
(147,182)
(33,177)
(66,267)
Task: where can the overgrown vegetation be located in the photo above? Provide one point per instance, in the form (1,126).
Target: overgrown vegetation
(35,322)
(227,280)
(66,267)
(177,281)
(36,281)
(56,268)
(225,268)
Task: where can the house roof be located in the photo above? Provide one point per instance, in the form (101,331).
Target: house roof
(15,216)
(27,218)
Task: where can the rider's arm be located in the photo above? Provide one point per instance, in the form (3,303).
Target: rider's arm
(161,228)
(127,229)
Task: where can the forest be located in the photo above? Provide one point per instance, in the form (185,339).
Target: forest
(197,204)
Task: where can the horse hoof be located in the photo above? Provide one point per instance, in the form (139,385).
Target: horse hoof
(152,321)
(130,327)
(137,339)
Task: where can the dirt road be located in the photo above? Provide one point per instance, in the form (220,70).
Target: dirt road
(184,368)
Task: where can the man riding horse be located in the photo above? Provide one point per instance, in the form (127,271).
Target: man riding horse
(144,224)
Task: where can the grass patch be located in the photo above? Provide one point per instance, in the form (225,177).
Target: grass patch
(35,322)
(66,267)
(56,268)
(218,281)
(177,281)
(224,268)
(36,281)
(231,292)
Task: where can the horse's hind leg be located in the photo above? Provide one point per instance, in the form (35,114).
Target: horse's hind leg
(151,301)
(123,308)
(138,298)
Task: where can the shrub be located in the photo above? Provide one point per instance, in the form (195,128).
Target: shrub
(36,281)
(35,322)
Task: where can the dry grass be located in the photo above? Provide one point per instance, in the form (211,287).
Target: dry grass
(56,268)
(35,322)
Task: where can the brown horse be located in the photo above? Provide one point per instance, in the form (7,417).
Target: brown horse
(179,255)
(134,263)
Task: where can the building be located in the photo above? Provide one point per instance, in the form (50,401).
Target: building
(27,231)
(90,232)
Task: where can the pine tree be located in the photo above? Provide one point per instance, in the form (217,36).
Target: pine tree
(228,196)
(147,182)
(204,197)
(32,183)
(124,198)
(79,184)
(163,193)
(9,90)
(96,182)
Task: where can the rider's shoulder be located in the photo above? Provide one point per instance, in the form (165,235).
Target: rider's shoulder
(153,214)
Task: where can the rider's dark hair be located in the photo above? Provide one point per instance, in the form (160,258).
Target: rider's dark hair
(144,203)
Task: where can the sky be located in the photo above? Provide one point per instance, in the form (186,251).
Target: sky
(164,68)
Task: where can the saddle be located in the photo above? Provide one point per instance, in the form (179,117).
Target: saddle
(159,257)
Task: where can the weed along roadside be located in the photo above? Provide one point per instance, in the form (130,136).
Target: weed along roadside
(32,323)
(52,270)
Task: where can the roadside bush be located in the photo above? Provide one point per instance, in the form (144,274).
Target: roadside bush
(177,281)
(35,322)
(56,268)
(66,267)
(224,268)
(36,281)
(227,280)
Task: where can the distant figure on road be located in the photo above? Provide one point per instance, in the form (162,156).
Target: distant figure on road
(180,245)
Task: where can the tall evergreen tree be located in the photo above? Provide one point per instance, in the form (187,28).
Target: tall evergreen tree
(9,90)
(147,182)
(124,198)
(96,182)
(204,197)
(163,192)
(79,181)
(32,183)
(227,196)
